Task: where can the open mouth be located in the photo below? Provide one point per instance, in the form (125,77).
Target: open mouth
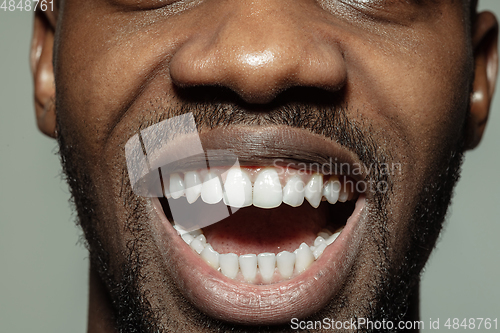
(279,220)
(258,239)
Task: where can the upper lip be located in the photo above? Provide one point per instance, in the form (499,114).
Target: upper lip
(265,146)
(231,301)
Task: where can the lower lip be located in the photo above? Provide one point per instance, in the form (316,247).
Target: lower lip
(237,302)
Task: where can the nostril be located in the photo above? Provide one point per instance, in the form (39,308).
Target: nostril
(223,97)
(212,95)
(264,96)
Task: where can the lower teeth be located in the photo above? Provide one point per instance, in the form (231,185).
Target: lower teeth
(264,267)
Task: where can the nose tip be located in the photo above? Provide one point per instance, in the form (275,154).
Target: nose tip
(260,58)
(253,79)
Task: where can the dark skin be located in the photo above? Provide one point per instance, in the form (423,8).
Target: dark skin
(418,79)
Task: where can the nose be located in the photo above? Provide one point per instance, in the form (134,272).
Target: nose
(260,48)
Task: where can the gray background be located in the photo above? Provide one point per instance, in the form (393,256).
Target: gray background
(43,267)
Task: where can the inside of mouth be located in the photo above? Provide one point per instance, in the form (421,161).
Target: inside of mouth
(256,236)
(257,230)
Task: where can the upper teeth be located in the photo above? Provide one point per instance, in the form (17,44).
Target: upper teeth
(252,266)
(266,191)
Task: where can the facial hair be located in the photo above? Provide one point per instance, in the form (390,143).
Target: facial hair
(303,109)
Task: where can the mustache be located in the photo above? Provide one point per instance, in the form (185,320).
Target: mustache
(318,111)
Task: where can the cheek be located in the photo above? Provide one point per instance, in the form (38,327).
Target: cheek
(416,96)
(101,73)
(432,96)
(415,101)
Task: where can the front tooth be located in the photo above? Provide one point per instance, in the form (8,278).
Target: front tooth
(210,256)
(293,192)
(238,188)
(332,238)
(318,251)
(229,264)
(267,192)
(176,186)
(192,181)
(211,190)
(267,264)
(313,190)
(303,258)
(285,262)
(248,266)
(331,190)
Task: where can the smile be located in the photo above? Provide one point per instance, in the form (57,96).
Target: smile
(261,188)
(287,242)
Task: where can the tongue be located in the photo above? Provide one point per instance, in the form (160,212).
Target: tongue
(255,230)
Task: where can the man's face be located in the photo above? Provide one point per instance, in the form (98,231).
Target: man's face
(377,84)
